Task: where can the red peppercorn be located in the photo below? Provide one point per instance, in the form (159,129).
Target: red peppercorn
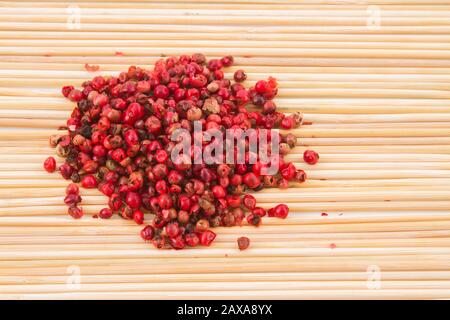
(75,212)
(261,86)
(251,180)
(184,203)
(223,170)
(72,188)
(115,202)
(207,237)
(89,181)
(172,229)
(105,213)
(177,243)
(148,233)
(288,171)
(191,239)
(219,192)
(165,201)
(161,91)
(239,76)
(310,157)
(138,217)
(236,180)
(280,211)
(161,156)
(234,201)
(300,176)
(254,219)
(269,107)
(249,201)
(227,61)
(66,90)
(126,212)
(72,199)
(259,211)
(201,225)
(121,131)
(75,95)
(161,186)
(287,123)
(133,199)
(50,164)
(243,243)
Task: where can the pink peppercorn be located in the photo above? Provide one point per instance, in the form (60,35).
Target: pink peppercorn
(50,164)
(75,212)
(243,243)
(119,141)
(310,157)
(207,237)
(89,181)
(138,217)
(133,199)
(72,188)
(280,211)
(147,233)
(249,201)
(105,213)
(239,76)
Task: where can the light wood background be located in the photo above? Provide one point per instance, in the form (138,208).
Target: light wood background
(379,102)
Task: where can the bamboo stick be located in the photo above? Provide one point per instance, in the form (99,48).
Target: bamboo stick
(109,228)
(268,194)
(261,5)
(266,52)
(317,207)
(212,253)
(39,154)
(304,132)
(358,27)
(294,10)
(270,294)
(231,245)
(225,286)
(251,44)
(253,61)
(205,266)
(354,237)
(115,35)
(81,74)
(412,165)
(232,295)
(223,277)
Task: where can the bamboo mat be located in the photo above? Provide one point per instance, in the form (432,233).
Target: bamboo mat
(375,90)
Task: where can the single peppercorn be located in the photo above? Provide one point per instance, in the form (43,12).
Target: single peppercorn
(50,164)
(239,76)
(147,233)
(249,201)
(72,188)
(310,157)
(105,213)
(75,212)
(243,243)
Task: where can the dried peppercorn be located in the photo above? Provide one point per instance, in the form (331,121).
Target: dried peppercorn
(50,164)
(310,156)
(119,141)
(243,243)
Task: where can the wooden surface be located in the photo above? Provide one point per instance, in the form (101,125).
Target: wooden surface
(377,97)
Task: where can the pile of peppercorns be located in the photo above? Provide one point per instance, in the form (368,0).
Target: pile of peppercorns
(118,141)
